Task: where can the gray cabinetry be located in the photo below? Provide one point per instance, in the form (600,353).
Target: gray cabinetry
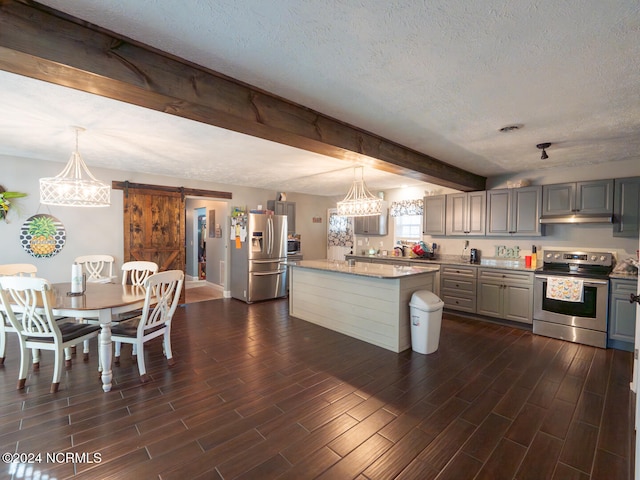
(434,214)
(514,211)
(285,208)
(622,314)
(458,287)
(626,207)
(505,294)
(371,225)
(587,198)
(466,213)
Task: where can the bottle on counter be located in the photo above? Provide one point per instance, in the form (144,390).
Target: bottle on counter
(534,256)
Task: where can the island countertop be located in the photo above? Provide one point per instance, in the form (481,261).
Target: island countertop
(376,270)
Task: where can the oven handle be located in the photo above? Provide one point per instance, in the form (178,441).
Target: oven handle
(587,282)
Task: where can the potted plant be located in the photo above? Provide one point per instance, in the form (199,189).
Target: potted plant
(5,201)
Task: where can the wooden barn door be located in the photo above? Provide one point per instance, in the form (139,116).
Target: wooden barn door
(154,227)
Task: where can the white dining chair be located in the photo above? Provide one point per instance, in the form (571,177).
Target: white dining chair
(26,302)
(99,268)
(134,273)
(10,269)
(137,271)
(162,296)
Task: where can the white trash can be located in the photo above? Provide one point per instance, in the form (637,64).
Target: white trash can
(426,319)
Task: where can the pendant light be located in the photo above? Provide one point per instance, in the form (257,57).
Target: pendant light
(359,202)
(75,186)
(543,147)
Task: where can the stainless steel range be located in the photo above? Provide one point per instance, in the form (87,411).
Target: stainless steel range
(571,296)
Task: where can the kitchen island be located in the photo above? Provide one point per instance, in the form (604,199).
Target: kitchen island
(366,301)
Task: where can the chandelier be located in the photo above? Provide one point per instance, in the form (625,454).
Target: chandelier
(359,202)
(75,186)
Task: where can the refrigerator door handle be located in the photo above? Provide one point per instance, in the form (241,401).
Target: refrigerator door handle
(262,274)
(270,235)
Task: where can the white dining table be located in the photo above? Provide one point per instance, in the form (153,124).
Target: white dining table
(101,302)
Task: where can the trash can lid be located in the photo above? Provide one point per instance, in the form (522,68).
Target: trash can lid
(426,300)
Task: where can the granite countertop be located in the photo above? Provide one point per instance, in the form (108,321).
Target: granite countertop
(499,263)
(377,270)
(624,275)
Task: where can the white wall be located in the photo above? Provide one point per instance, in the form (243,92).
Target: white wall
(100,230)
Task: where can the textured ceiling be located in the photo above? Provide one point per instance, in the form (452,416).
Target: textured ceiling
(441,77)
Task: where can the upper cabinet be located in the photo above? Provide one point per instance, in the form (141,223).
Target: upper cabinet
(584,198)
(285,208)
(514,211)
(626,218)
(433,217)
(372,224)
(466,213)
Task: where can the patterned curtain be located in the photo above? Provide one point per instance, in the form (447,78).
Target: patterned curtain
(340,230)
(406,207)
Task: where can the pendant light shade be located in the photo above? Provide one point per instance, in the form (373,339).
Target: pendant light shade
(75,186)
(359,202)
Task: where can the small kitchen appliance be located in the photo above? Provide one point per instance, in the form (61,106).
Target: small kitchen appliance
(474,256)
(293,246)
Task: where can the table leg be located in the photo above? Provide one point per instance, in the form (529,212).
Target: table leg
(104,349)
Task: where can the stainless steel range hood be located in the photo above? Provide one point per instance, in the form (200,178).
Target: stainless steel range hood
(577,218)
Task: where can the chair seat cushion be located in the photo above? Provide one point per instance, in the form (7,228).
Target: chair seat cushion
(121,317)
(130,329)
(69,331)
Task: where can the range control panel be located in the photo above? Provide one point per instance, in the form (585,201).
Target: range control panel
(604,259)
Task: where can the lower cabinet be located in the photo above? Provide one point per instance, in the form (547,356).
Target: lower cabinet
(505,294)
(622,314)
(458,287)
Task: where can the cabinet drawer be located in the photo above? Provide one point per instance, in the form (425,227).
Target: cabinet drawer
(505,276)
(454,270)
(461,284)
(459,302)
(623,287)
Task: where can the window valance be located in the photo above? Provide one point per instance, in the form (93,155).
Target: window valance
(406,207)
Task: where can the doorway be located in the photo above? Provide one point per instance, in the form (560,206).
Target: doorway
(201,250)
(206,249)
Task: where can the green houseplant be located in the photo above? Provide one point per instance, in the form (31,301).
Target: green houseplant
(5,201)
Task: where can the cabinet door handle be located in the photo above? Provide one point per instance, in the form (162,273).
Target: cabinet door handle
(634,298)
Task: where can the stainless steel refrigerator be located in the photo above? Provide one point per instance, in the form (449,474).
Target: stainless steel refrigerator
(259,265)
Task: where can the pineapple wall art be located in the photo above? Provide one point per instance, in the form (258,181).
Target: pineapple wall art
(42,235)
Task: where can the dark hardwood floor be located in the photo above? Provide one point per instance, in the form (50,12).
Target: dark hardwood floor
(256,394)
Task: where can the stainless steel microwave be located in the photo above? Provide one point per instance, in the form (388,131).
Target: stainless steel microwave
(293,246)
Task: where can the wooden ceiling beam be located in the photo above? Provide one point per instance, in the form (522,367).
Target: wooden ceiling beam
(41,43)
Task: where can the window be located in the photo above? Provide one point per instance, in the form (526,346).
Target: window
(408,227)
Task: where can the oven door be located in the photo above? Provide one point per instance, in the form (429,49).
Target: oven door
(591,313)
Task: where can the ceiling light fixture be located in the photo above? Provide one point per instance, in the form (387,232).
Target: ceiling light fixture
(75,186)
(543,146)
(359,202)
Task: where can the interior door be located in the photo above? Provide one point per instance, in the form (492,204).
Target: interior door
(154,228)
